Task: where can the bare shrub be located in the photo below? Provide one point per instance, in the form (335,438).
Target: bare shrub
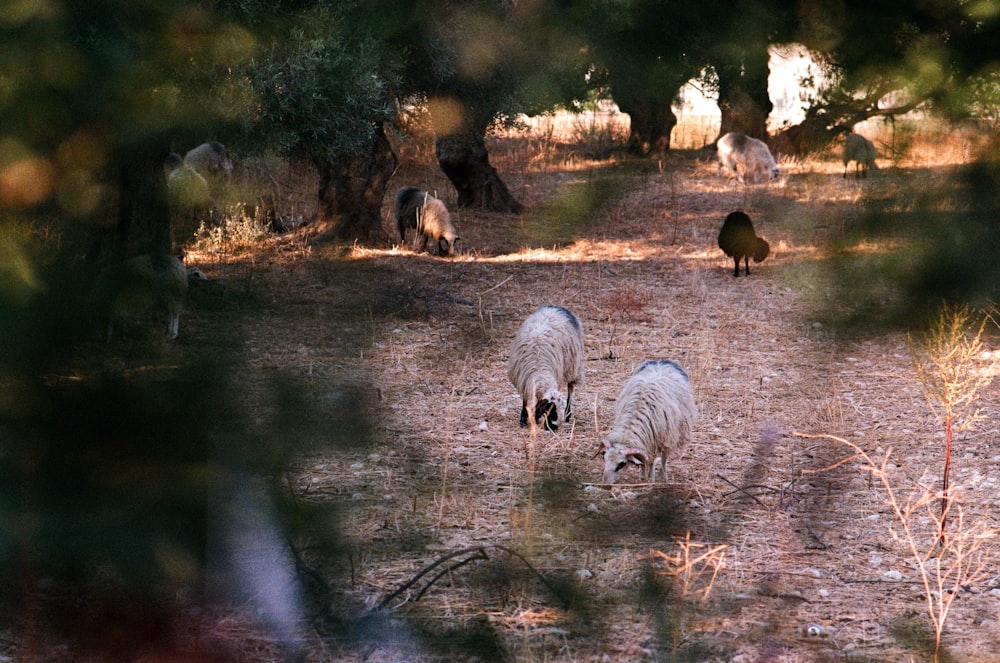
(946,565)
(944,359)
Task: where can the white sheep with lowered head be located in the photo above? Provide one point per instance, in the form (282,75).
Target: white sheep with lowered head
(862,152)
(187,190)
(212,161)
(546,354)
(415,208)
(145,285)
(749,158)
(654,415)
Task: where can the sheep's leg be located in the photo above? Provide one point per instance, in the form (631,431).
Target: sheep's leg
(569,400)
(736,268)
(524,413)
(173,324)
(746,261)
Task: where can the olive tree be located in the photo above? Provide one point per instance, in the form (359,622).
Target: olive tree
(647,50)
(479,63)
(323,91)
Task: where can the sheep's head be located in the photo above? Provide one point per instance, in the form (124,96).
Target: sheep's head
(550,410)
(447,245)
(617,457)
(761,249)
(775,172)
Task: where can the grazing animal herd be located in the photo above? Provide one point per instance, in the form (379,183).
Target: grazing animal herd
(655,410)
(654,413)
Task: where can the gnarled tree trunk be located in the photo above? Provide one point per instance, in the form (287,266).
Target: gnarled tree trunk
(651,123)
(143,224)
(351,192)
(465,161)
(825,123)
(743,97)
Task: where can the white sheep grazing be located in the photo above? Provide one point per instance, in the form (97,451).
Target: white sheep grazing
(747,157)
(172,163)
(418,209)
(654,415)
(862,152)
(212,161)
(547,353)
(187,190)
(142,286)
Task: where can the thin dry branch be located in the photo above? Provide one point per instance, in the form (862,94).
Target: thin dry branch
(476,552)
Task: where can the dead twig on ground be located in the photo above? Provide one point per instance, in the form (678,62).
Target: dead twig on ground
(474,552)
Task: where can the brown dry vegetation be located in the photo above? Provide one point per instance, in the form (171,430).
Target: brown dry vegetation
(631,249)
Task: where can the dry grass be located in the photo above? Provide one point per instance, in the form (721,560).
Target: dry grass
(642,270)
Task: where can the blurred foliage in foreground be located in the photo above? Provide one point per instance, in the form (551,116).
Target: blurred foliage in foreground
(140,470)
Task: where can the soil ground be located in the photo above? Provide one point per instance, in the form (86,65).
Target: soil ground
(798,539)
(804,559)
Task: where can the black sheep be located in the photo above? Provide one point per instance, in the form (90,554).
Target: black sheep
(738,240)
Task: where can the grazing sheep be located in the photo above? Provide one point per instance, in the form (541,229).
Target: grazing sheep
(738,240)
(418,209)
(547,353)
(654,415)
(212,161)
(862,152)
(187,190)
(740,152)
(142,286)
(172,163)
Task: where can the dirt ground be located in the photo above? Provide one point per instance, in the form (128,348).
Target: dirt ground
(803,555)
(797,541)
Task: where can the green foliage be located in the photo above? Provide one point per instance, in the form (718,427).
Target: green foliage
(322,86)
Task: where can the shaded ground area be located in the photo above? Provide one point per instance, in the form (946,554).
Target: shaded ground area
(808,541)
(632,251)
